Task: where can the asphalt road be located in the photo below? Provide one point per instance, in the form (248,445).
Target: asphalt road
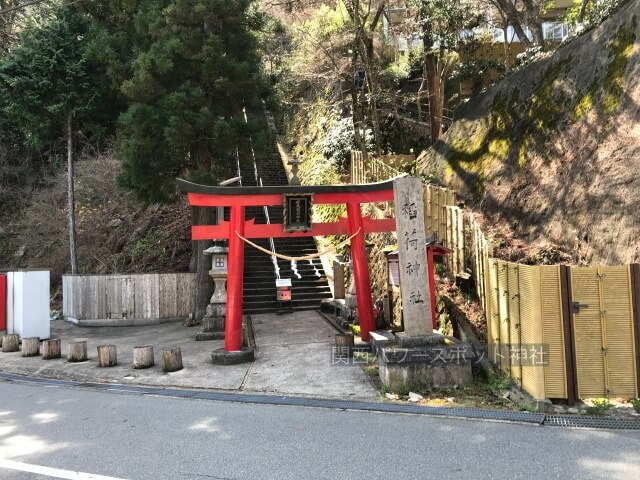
(56,432)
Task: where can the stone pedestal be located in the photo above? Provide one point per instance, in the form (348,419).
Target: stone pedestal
(216,310)
(430,367)
(219,296)
(212,329)
(414,341)
(350,297)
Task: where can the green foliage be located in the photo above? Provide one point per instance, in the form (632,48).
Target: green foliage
(407,66)
(340,141)
(384,389)
(599,407)
(320,46)
(415,60)
(441,21)
(188,70)
(495,383)
(595,12)
(399,70)
(636,404)
(48,78)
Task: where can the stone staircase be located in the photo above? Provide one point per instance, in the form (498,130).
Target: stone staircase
(310,286)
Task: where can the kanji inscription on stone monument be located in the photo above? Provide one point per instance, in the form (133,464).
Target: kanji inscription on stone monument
(414,284)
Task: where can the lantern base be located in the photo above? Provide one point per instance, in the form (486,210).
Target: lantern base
(206,336)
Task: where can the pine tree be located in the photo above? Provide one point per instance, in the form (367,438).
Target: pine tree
(48,88)
(187,91)
(195,71)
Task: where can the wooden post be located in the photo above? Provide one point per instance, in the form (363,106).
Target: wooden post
(51,349)
(567,325)
(78,350)
(635,284)
(107,356)
(10,343)
(171,359)
(30,347)
(431,273)
(143,356)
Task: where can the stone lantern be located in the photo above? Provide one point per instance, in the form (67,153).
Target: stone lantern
(218,273)
(295,164)
(213,321)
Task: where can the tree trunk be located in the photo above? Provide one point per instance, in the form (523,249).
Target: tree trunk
(583,10)
(71,198)
(51,349)
(171,359)
(372,83)
(143,357)
(10,343)
(513,16)
(30,347)
(107,356)
(436,95)
(532,14)
(357,116)
(507,45)
(77,350)
(204,285)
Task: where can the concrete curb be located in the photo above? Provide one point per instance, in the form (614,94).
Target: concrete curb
(567,421)
(122,322)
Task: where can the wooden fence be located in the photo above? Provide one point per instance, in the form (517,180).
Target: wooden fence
(525,328)
(583,320)
(124,300)
(446,221)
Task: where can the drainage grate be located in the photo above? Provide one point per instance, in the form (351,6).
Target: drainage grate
(591,422)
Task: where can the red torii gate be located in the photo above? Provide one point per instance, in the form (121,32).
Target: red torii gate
(238,198)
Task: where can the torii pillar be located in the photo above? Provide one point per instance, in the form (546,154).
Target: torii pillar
(361,271)
(233,325)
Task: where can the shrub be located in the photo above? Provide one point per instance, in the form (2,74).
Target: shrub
(599,407)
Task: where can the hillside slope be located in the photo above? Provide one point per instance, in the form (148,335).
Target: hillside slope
(115,233)
(553,151)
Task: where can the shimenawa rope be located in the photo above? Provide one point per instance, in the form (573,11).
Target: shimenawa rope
(297,259)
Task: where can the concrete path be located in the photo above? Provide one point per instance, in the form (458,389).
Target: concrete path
(294,357)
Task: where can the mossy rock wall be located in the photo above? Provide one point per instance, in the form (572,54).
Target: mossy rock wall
(554,148)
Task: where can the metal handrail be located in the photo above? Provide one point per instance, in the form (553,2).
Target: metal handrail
(259,182)
(379,166)
(238,165)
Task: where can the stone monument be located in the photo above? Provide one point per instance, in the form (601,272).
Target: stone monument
(412,255)
(422,357)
